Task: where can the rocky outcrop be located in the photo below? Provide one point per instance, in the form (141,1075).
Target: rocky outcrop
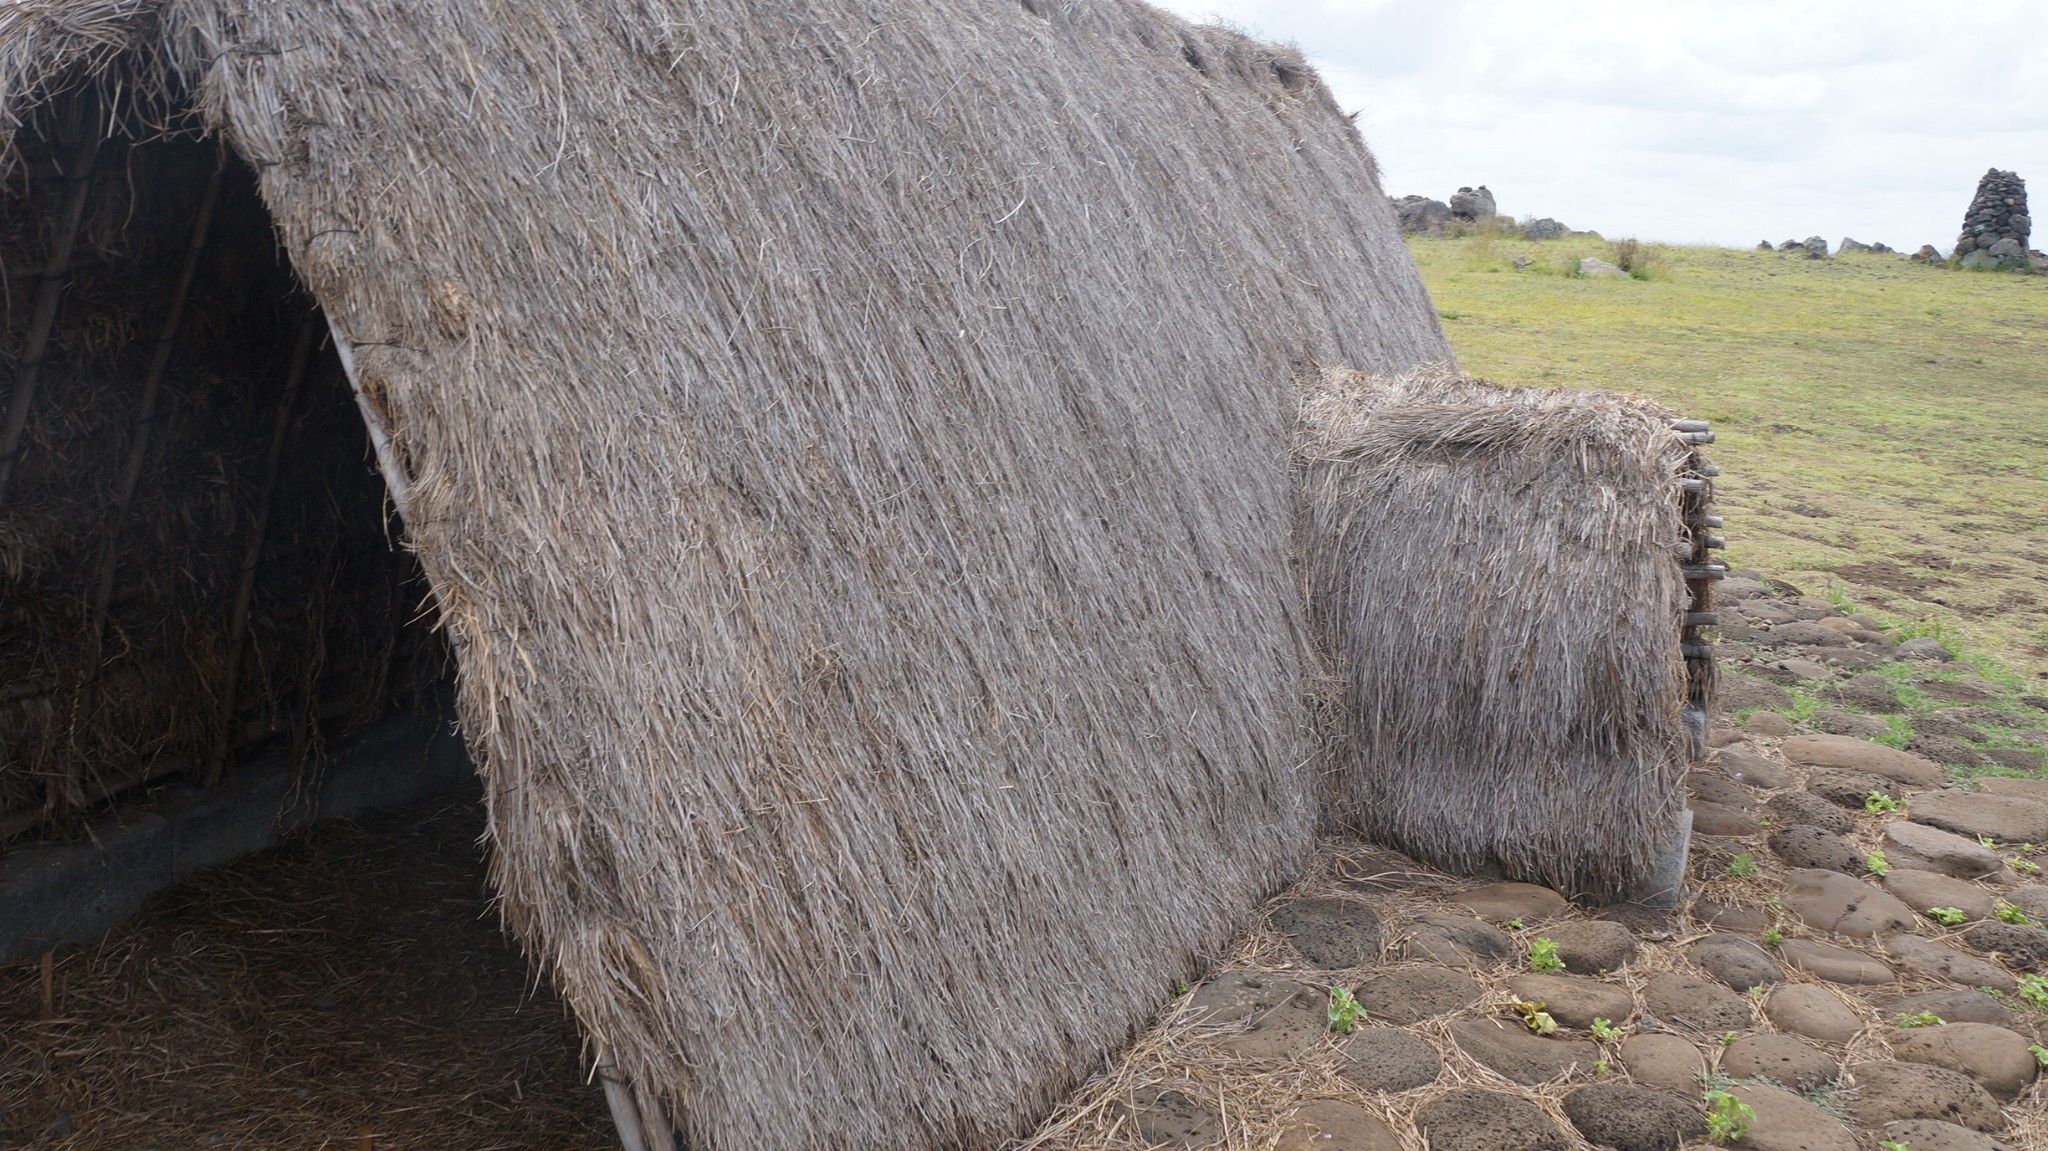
(1421,214)
(1473,205)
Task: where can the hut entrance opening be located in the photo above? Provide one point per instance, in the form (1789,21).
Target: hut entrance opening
(198,561)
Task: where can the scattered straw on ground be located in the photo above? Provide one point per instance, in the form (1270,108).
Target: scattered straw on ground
(353,981)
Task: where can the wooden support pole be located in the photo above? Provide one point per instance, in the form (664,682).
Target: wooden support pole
(56,276)
(655,1128)
(619,1096)
(395,480)
(245,586)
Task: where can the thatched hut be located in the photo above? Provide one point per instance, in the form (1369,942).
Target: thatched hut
(1501,578)
(846,449)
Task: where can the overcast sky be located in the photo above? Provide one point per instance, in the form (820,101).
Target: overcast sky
(1714,121)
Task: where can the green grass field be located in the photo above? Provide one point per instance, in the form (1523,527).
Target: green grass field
(1882,425)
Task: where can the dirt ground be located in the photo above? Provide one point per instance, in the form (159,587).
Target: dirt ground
(349,989)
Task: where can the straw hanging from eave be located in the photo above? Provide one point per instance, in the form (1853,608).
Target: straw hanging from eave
(55,277)
(245,587)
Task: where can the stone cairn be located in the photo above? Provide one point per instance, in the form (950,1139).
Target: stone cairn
(1996,228)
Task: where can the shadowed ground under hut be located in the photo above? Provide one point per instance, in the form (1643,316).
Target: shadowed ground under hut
(352,980)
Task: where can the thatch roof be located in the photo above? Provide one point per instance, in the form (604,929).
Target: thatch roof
(850,456)
(1495,572)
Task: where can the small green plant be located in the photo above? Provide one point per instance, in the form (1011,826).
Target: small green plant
(1543,956)
(2039,1053)
(2007,913)
(1878,803)
(1987,841)
(1514,924)
(1605,1031)
(1600,1068)
(1773,937)
(1893,1145)
(1875,863)
(1728,1038)
(1742,866)
(1180,988)
(1946,916)
(2033,991)
(1728,1118)
(1535,1018)
(2026,867)
(1921,1019)
(1344,1011)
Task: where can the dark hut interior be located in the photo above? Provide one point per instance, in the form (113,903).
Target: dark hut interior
(200,580)
(193,536)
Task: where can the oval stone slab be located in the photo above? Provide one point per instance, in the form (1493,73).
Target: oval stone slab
(1923,890)
(1736,962)
(1334,1125)
(1469,1119)
(1793,1062)
(1331,933)
(1510,1050)
(1683,1001)
(1635,1118)
(1940,961)
(1812,1011)
(1574,1000)
(1996,1058)
(1501,902)
(1835,964)
(1891,1091)
(1785,1122)
(1387,1059)
(1855,754)
(1664,1061)
(1831,901)
(2005,818)
(1412,993)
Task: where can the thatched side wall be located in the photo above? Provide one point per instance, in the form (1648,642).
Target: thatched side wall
(1495,573)
(848,444)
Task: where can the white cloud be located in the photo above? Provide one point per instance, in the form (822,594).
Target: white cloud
(1684,120)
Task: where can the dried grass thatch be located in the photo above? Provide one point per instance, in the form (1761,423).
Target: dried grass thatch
(1495,572)
(848,446)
